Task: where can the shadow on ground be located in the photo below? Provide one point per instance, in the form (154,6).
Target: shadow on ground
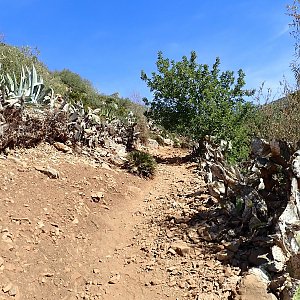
(177,160)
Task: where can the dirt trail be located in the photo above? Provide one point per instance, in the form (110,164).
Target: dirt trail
(137,242)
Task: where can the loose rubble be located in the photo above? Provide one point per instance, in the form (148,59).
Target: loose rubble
(174,245)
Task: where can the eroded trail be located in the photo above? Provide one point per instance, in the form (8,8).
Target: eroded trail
(61,240)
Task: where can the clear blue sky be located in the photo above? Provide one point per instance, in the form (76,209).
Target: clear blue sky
(110,42)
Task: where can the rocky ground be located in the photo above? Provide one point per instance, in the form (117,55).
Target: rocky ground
(75,229)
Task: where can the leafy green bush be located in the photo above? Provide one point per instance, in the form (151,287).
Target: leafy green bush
(279,119)
(297,294)
(193,100)
(141,163)
(77,88)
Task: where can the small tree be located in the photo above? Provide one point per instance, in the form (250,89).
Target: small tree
(192,100)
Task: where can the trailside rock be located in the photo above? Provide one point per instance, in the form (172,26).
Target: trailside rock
(114,278)
(181,248)
(153,144)
(62,147)
(279,260)
(254,286)
(50,172)
(168,142)
(262,206)
(97,196)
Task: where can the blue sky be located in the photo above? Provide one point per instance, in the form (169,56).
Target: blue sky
(110,42)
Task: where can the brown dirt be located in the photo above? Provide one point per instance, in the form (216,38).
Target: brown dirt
(57,243)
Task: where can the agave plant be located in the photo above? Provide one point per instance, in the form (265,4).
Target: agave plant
(84,124)
(29,89)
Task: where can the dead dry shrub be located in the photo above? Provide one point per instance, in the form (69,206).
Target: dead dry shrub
(27,128)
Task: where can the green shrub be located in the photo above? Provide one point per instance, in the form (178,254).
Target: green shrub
(279,119)
(195,100)
(158,138)
(297,294)
(141,163)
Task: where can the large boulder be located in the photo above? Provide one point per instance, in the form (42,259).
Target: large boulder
(254,286)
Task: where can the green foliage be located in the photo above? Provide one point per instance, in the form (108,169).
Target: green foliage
(195,101)
(75,82)
(141,163)
(158,138)
(297,294)
(294,13)
(28,89)
(77,88)
(279,119)
(239,205)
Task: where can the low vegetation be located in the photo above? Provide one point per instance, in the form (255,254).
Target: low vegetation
(190,100)
(297,295)
(141,163)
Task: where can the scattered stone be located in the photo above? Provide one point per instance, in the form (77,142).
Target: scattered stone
(117,161)
(181,248)
(279,260)
(168,142)
(172,283)
(62,147)
(171,269)
(101,152)
(153,144)
(7,287)
(181,284)
(114,278)
(155,282)
(75,221)
(48,274)
(13,291)
(171,251)
(105,166)
(97,196)
(225,255)
(232,246)
(50,172)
